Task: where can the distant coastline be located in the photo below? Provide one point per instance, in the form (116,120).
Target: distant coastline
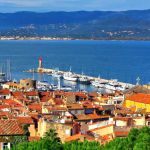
(69,38)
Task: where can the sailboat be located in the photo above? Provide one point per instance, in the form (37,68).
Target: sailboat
(2,75)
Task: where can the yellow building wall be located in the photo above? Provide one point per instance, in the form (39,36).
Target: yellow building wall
(129,103)
(105,131)
(147,107)
(63,130)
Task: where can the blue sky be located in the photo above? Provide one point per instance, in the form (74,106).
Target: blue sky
(72,5)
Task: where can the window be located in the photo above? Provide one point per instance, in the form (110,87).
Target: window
(5,146)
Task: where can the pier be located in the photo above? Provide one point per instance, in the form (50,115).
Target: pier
(49,71)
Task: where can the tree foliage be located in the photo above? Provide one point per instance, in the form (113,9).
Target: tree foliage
(138,139)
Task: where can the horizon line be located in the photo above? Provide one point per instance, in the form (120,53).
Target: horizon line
(77,11)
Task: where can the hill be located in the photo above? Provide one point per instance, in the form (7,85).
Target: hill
(134,24)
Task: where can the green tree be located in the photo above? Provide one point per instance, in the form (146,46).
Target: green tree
(52,135)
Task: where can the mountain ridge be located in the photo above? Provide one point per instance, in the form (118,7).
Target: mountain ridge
(77,24)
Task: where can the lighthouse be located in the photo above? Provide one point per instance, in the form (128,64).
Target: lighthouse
(40,62)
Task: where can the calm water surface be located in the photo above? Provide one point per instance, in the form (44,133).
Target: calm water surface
(122,60)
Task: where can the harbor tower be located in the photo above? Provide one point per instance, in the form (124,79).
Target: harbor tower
(40,62)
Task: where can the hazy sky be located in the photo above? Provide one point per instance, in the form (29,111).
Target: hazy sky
(71,5)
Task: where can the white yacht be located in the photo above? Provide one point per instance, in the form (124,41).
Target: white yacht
(57,74)
(70,76)
(43,85)
(99,83)
(63,88)
(112,85)
(2,77)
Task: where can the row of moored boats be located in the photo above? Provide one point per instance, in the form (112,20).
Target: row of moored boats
(98,83)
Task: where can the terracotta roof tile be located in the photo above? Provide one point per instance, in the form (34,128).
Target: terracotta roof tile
(37,107)
(10,127)
(81,94)
(90,116)
(58,101)
(32,93)
(140,97)
(121,133)
(75,106)
(25,120)
(12,103)
(77,137)
(18,94)
(4,92)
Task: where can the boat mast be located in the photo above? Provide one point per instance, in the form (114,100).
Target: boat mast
(138,81)
(59,85)
(8,70)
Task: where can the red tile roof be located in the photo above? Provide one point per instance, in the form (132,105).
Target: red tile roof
(25,120)
(121,133)
(81,94)
(4,92)
(12,103)
(4,114)
(34,106)
(77,137)
(122,118)
(90,116)
(140,97)
(18,94)
(32,93)
(4,106)
(75,106)
(10,127)
(58,101)
(56,108)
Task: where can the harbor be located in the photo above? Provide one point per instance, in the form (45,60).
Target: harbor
(70,76)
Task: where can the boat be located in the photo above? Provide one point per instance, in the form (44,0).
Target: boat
(99,83)
(84,80)
(63,88)
(121,88)
(43,85)
(66,88)
(112,85)
(70,76)
(57,74)
(2,77)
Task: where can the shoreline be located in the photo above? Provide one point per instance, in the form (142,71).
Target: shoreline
(69,39)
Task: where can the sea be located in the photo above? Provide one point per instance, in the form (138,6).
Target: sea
(122,60)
